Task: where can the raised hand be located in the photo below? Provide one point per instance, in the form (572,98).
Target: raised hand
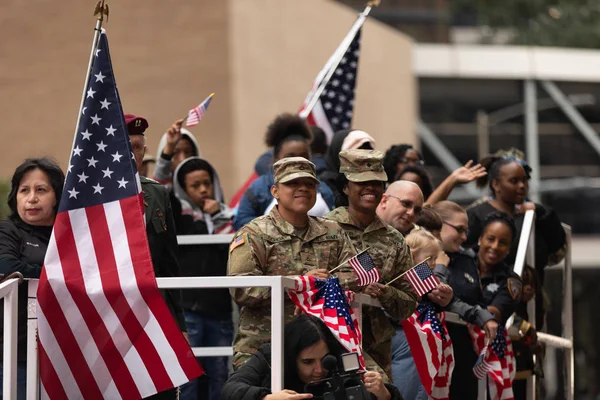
(469,172)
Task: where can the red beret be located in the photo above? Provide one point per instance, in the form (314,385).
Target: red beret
(135,125)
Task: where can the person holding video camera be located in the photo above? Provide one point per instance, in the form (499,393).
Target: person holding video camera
(308,347)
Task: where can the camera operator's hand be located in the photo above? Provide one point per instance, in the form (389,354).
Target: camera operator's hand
(374,384)
(288,395)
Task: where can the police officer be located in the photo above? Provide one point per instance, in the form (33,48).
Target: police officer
(160,228)
(285,242)
(361,184)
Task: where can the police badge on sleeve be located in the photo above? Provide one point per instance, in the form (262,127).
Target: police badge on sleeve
(515,287)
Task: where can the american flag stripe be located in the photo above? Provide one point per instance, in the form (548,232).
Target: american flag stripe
(431,348)
(164,334)
(68,258)
(52,378)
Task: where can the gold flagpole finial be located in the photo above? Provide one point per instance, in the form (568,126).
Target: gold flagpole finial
(101,10)
(373,3)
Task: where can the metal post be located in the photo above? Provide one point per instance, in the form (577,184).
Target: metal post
(532,145)
(482,389)
(33,366)
(277,322)
(9,359)
(571,112)
(483,134)
(531,393)
(568,317)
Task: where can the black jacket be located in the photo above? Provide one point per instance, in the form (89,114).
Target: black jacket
(253,380)
(204,260)
(462,275)
(162,240)
(22,249)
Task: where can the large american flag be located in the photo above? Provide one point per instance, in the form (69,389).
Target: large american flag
(104,329)
(431,347)
(421,278)
(334,109)
(325,299)
(496,361)
(365,269)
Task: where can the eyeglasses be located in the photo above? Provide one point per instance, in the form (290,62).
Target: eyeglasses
(413,161)
(408,204)
(459,229)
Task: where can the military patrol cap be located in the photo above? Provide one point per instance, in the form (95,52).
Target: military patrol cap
(362,165)
(290,168)
(135,125)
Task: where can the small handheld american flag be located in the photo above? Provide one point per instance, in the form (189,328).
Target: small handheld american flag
(421,278)
(365,269)
(196,114)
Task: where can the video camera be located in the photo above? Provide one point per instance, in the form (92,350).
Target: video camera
(346,385)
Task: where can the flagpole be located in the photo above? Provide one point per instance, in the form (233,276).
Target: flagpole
(402,274)
(100,10)
(340,266)
(339,53)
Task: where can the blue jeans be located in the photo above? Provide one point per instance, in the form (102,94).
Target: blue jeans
(404,371)
(205,331)
(21,380)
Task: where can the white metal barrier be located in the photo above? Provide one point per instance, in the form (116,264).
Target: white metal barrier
(9,291)
(278,285)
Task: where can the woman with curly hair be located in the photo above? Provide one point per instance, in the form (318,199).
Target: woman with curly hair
(289,136)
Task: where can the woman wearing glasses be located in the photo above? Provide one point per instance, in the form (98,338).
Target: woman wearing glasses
(459,269)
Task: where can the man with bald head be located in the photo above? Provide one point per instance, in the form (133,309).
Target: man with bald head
(401,205)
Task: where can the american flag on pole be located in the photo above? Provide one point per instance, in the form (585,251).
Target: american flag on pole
(326,300)
(496,361)
(431,347)
(421,278)
(196,114)
(104,329)
(365,269)
(335,107)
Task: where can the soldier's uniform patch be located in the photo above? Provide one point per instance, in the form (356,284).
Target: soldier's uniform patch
(238,241)
(515,287)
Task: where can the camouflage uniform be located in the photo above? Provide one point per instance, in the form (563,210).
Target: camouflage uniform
(269,245)
(389,252)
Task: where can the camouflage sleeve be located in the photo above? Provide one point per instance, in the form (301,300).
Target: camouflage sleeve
(346,275)
(245,260)
(400,300)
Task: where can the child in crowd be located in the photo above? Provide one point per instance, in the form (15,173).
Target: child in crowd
(208,312)
(423,247)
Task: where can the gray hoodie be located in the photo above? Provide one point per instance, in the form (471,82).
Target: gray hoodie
(221,222)
(162,171)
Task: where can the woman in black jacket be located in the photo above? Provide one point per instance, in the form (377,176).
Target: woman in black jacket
(36,187)
(306,342)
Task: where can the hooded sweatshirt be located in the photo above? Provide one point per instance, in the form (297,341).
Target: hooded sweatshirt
(204,260)
(162,170)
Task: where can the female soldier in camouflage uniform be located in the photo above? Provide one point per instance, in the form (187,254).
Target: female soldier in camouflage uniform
(285,242)
(362,183)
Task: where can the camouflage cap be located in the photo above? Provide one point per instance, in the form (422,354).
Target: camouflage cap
(362,165)
(290,168)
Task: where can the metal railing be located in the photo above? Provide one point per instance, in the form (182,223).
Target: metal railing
(278,285)
(9,291)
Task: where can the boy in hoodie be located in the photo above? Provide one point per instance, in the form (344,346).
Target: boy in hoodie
(176,145)
(208,313)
